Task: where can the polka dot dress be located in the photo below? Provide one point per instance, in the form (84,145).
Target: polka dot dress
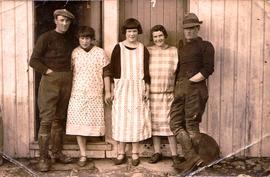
(86,107)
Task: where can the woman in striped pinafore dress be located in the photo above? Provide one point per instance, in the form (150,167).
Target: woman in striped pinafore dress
(162,66)
(131,122)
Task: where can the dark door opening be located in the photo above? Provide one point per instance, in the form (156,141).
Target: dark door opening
(86,13)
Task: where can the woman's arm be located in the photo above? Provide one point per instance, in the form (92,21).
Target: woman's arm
(107,85)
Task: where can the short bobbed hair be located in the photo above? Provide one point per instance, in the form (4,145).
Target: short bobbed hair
(86,31)
(131,23)
(158,28)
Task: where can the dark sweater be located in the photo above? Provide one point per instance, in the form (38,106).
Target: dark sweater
(196,56)
(116,63)
(52,51)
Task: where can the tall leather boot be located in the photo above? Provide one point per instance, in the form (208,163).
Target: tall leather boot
(193,160)
(44,161)
(57,144)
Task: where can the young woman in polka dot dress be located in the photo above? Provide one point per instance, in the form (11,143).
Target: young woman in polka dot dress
(90,76)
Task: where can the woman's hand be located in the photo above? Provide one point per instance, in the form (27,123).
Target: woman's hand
(112,92)
(108,92)
(108,98)
(112,96)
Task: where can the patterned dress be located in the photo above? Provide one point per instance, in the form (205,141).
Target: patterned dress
(130,113)
(86,107)
(162,66)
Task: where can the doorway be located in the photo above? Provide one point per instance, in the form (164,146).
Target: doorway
(86,13)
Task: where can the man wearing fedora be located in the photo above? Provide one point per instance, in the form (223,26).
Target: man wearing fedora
(52,58)
(196,63)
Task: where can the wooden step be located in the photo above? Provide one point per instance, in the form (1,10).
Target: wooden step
(93,146)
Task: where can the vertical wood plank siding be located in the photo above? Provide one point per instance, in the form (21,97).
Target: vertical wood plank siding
(9,77)
(238,108)
(241,71)
(266,83)
(15,78)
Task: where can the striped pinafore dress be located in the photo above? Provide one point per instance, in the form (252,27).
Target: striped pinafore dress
(131,120)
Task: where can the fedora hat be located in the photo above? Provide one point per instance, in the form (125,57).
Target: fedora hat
(191,20)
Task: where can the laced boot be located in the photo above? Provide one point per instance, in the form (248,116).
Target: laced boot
(177,160)
(57,143)
(44,161)
(44,164)
(60,157)
(189,165)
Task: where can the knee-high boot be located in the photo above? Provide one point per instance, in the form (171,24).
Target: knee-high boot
(44,161)
(57,144)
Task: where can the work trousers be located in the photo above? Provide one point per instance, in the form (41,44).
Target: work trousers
(186,112)
(53,99)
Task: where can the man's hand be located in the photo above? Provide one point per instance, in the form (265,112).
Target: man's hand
(197,77)
(49,71)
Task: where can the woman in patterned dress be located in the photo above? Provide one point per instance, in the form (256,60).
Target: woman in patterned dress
(131,121)
(91,74)
(162,66)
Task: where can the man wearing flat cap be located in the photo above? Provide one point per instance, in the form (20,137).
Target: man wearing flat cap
(196,64)
(52,58)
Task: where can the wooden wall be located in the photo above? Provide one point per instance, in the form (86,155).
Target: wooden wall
(165,12)
(238,111)
(16,100)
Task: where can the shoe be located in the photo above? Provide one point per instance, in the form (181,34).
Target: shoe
(155,158)
(135,162)
(189,165)
(44,165)
(177,160)
(120,161)
(82,161)
(60,157)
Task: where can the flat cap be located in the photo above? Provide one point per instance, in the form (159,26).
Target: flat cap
(191,20)
(63,12)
